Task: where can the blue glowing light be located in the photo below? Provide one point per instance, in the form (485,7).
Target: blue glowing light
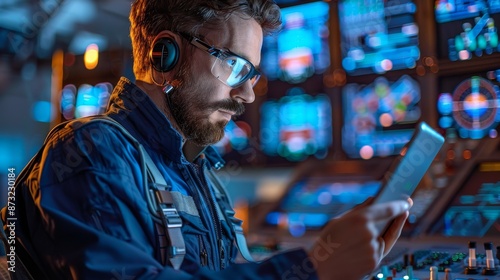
(43,111)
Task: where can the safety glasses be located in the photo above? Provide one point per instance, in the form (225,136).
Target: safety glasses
(229,68)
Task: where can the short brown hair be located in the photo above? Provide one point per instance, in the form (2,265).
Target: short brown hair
(150,17)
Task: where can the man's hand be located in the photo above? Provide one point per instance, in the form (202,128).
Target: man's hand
(351,247)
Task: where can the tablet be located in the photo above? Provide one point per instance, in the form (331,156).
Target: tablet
(409,168)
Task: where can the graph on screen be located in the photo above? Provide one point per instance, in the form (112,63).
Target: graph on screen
(296,126)
(379,118)
(467,29)
(378,36)
(301,49)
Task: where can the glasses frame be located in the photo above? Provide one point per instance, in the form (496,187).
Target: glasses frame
(221,53)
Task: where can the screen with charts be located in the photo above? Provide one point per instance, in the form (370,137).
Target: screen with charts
(312,201)
(475,209)
(378,35)
(300,50)
(467,29)
(296,126)
(468,105)
(379,118)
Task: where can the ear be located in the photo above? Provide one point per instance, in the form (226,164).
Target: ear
(164,53)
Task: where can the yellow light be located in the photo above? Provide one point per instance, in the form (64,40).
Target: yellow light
(489,167)
(91,56)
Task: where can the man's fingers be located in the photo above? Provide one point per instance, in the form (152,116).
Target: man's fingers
(394,231)
(387,211)
(410,201)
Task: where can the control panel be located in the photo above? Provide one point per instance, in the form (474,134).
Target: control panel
(470,261)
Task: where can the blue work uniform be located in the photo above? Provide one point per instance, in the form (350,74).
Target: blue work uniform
(82,211)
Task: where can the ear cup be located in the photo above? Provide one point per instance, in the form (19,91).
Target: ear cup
(164,54)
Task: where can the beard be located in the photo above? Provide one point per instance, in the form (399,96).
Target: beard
(188,105)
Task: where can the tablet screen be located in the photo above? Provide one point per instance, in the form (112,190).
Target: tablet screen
(402,179)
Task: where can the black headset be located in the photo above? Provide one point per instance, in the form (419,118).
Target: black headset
(164,54)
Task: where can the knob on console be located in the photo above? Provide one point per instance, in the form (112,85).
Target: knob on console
(433,273)
(472,267)
(447,273)
(490,262)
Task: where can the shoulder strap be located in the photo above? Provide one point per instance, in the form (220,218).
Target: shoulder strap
(228,213)
(171,220)
(160,203)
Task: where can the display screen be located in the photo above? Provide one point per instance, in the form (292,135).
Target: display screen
(296,126)
(237,137)
(475,209)
(467,29)
(312,201)
(379,118)
(85,101)
(300,50)
(378,35)
(469,104)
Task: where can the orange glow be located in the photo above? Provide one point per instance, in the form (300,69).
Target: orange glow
(450,154)
(429,61)
(434,68)
(328,80)
(403,151)
(467,154)
(339,76)
(91,56)
(420,70)
(56,82)
(241,212)
(260,89)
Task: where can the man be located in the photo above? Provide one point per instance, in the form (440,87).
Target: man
(83,210)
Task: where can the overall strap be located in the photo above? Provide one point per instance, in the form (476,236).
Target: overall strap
(228,214)
(172,222)
(161,204)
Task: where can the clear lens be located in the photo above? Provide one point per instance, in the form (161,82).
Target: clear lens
(233,70)
(255,79)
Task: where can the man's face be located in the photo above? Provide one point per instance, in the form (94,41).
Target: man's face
(203,105)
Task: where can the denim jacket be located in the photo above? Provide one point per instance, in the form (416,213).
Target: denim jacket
(82,213)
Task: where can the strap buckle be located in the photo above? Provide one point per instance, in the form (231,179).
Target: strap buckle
(170,214)
(172,222)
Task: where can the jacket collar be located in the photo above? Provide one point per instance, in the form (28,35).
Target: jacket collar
(133,108)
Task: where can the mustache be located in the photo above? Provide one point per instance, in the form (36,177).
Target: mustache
(229,105)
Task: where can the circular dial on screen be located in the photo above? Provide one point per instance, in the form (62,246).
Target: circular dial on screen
(474,105)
